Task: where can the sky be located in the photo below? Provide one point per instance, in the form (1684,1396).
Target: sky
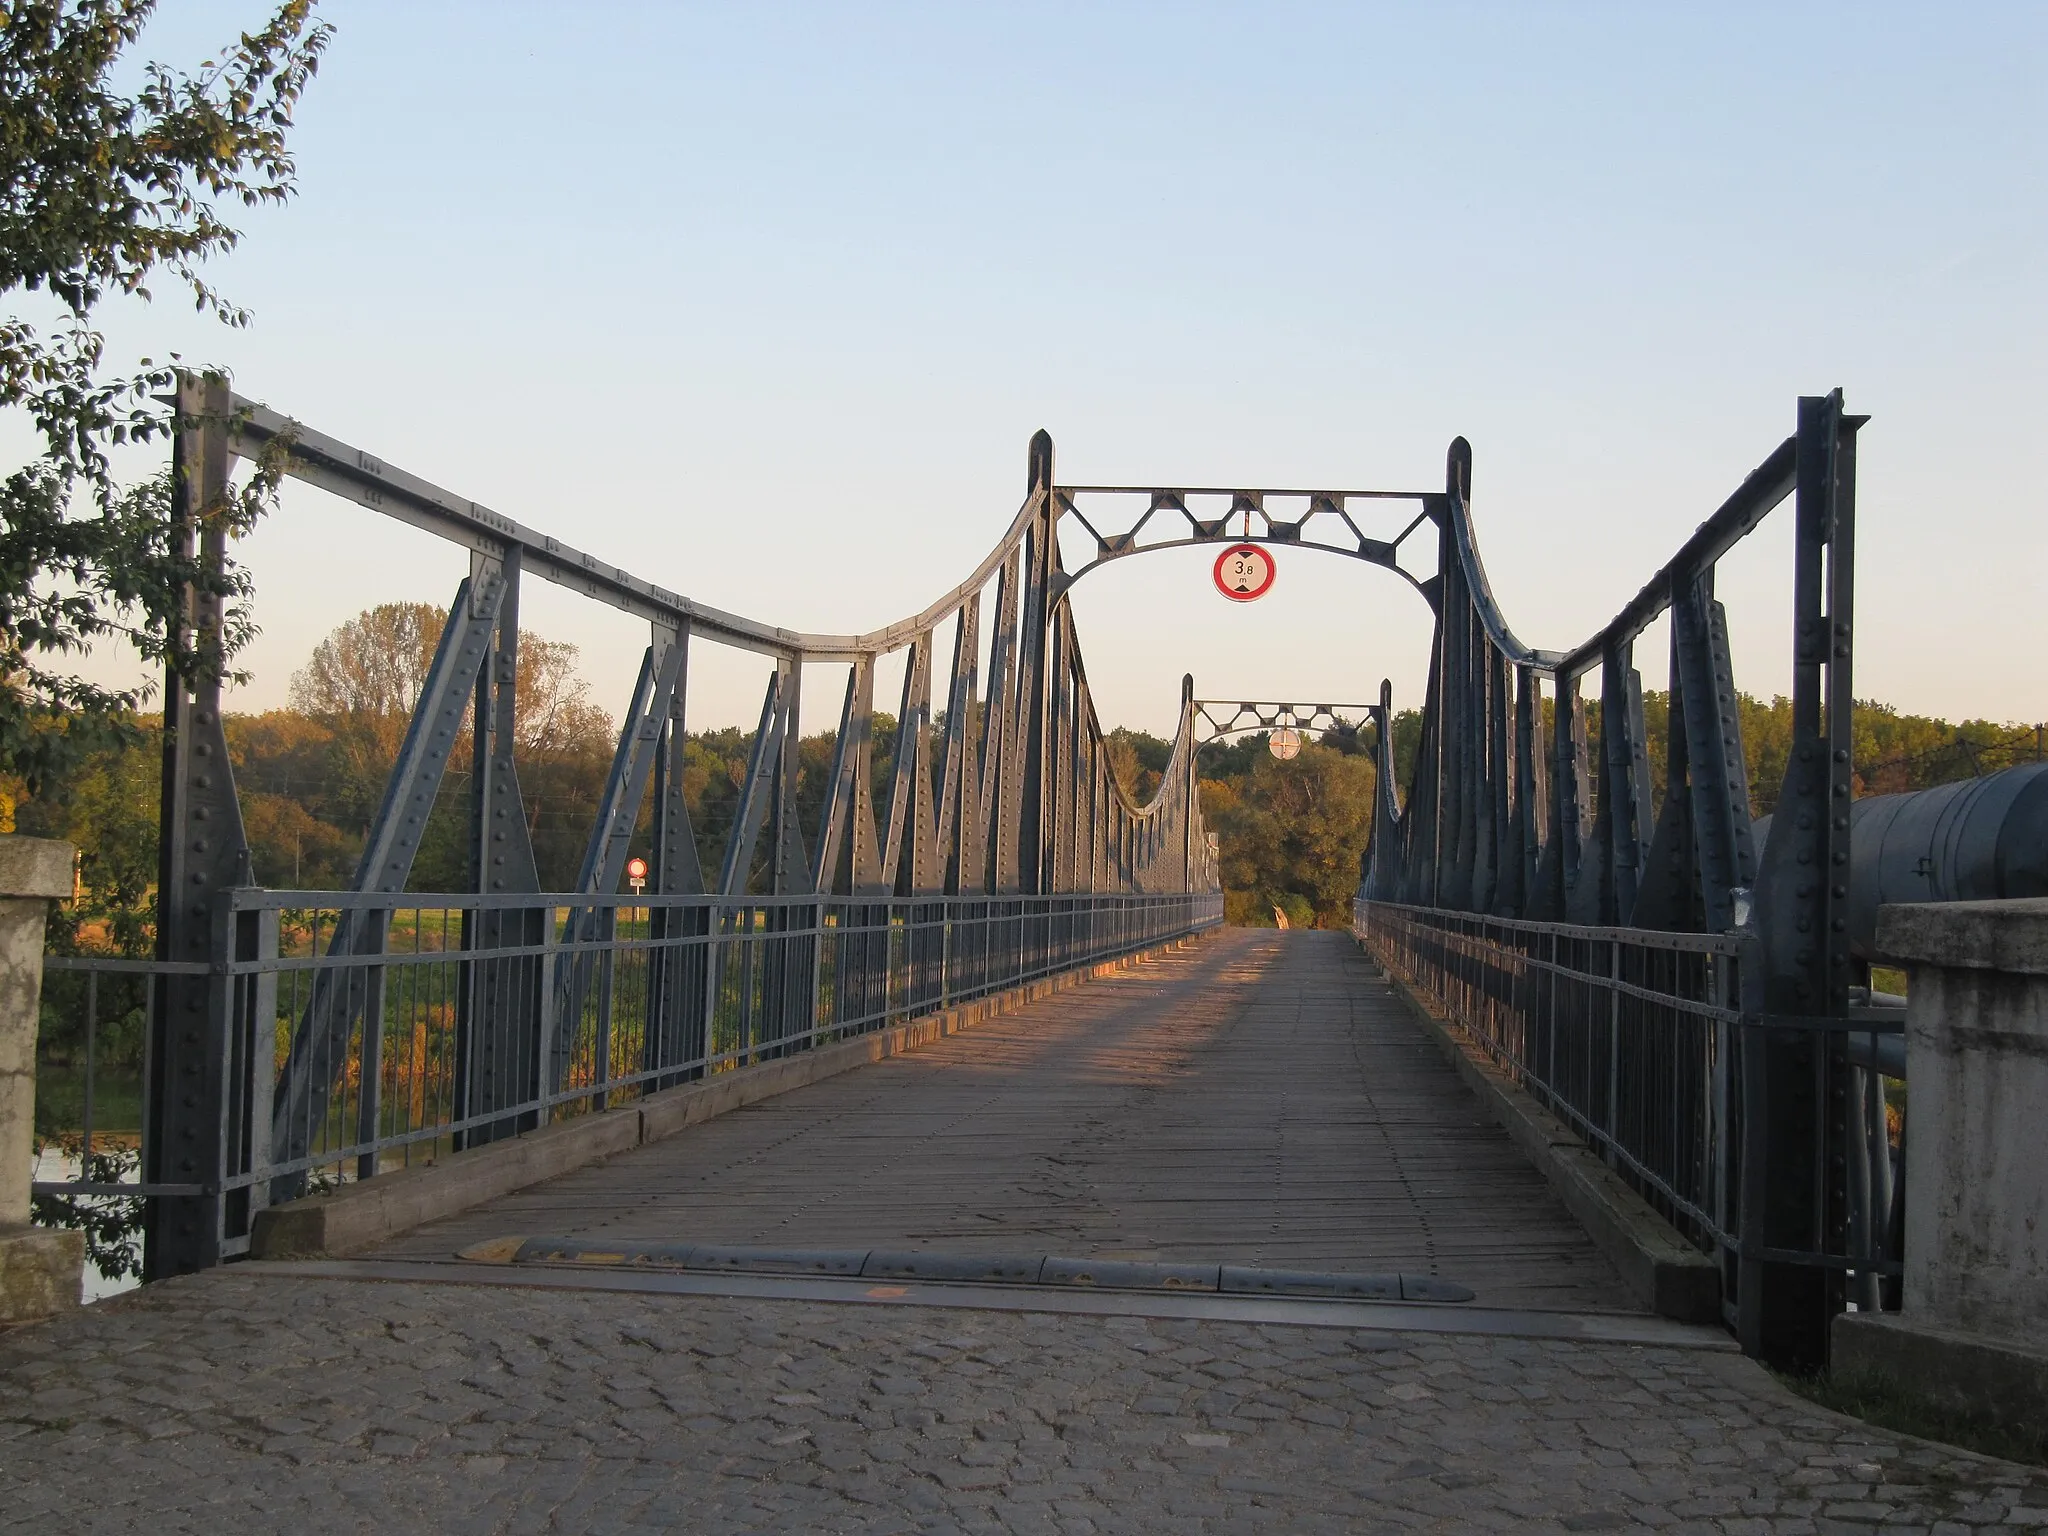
(764,303)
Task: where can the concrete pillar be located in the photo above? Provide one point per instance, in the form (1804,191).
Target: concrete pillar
(39,1269)
(1972,1332)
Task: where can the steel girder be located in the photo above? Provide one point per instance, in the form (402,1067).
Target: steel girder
(1481,831)
(1010,793)
(202,852)
(338,1009)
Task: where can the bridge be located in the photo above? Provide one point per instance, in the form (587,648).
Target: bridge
(953,1026)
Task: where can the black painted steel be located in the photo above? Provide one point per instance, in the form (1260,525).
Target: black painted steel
(1977,840)
(1005,847)
(1001,847)
(1600,847)
(203,853)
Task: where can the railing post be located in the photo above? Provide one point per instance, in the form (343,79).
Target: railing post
(607,980)
(1613,1126)
(547,1020)
(946,952)
(260,937)
(370,1060)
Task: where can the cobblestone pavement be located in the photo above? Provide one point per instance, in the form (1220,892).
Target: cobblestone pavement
(236,1401)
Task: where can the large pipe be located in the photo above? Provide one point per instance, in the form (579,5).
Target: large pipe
(1977,840)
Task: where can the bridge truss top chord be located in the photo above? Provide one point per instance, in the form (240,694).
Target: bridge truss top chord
(999,786)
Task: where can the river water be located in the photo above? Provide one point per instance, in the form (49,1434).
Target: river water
(52,1164)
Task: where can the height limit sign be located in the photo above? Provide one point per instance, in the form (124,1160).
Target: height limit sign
(1244,573)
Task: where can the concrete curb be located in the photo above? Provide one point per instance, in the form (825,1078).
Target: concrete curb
(359,1216)
(1667,1274)
(2005,1381)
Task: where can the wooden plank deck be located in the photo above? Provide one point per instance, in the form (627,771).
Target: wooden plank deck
(1259,1098)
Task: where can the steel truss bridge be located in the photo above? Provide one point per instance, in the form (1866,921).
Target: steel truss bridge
(1683,986)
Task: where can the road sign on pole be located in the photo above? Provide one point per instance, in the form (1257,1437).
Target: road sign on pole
(1284,743)
(636,874)
(1244,573)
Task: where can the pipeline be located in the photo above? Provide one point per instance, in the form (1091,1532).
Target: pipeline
(1976,840)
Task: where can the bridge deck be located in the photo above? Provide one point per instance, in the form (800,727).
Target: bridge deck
(1259,1098)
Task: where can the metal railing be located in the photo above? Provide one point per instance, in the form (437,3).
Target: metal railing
(464,1018)
(1636,1039)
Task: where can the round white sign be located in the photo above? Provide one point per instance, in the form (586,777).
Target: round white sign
(1244,573)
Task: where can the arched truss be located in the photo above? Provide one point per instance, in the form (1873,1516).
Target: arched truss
(999,809)
(1218,718)
(1024,801)
(1505,815)
(1328,521)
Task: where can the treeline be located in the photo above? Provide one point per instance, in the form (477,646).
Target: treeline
(312,777)
(1293,833)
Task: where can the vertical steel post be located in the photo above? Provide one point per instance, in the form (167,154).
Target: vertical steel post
(497,1008)
(202,854)
(1794,1195)
(1036,655)
(1188,790)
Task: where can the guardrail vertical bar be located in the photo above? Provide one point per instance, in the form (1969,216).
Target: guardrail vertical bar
(607,985)
(370,1056)
(546,1020)
(260,937)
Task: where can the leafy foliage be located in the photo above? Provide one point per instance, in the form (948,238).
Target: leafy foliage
(1292,834)
(100,191)
(112,1224)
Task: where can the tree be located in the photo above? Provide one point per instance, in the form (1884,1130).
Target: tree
(1137,761)
(1292,833)
(359,690)
(100,192)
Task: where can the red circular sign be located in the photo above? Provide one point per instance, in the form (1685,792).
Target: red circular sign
(636,869)
(1244,573)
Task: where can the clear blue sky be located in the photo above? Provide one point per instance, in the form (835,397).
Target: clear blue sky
(764,303)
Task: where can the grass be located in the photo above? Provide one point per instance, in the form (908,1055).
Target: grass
(60,1099)
(1890,1407)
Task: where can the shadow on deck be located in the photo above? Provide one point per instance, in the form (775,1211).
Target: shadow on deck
(1259,1098)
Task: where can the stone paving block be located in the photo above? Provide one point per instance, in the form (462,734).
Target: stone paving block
(508,1410)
